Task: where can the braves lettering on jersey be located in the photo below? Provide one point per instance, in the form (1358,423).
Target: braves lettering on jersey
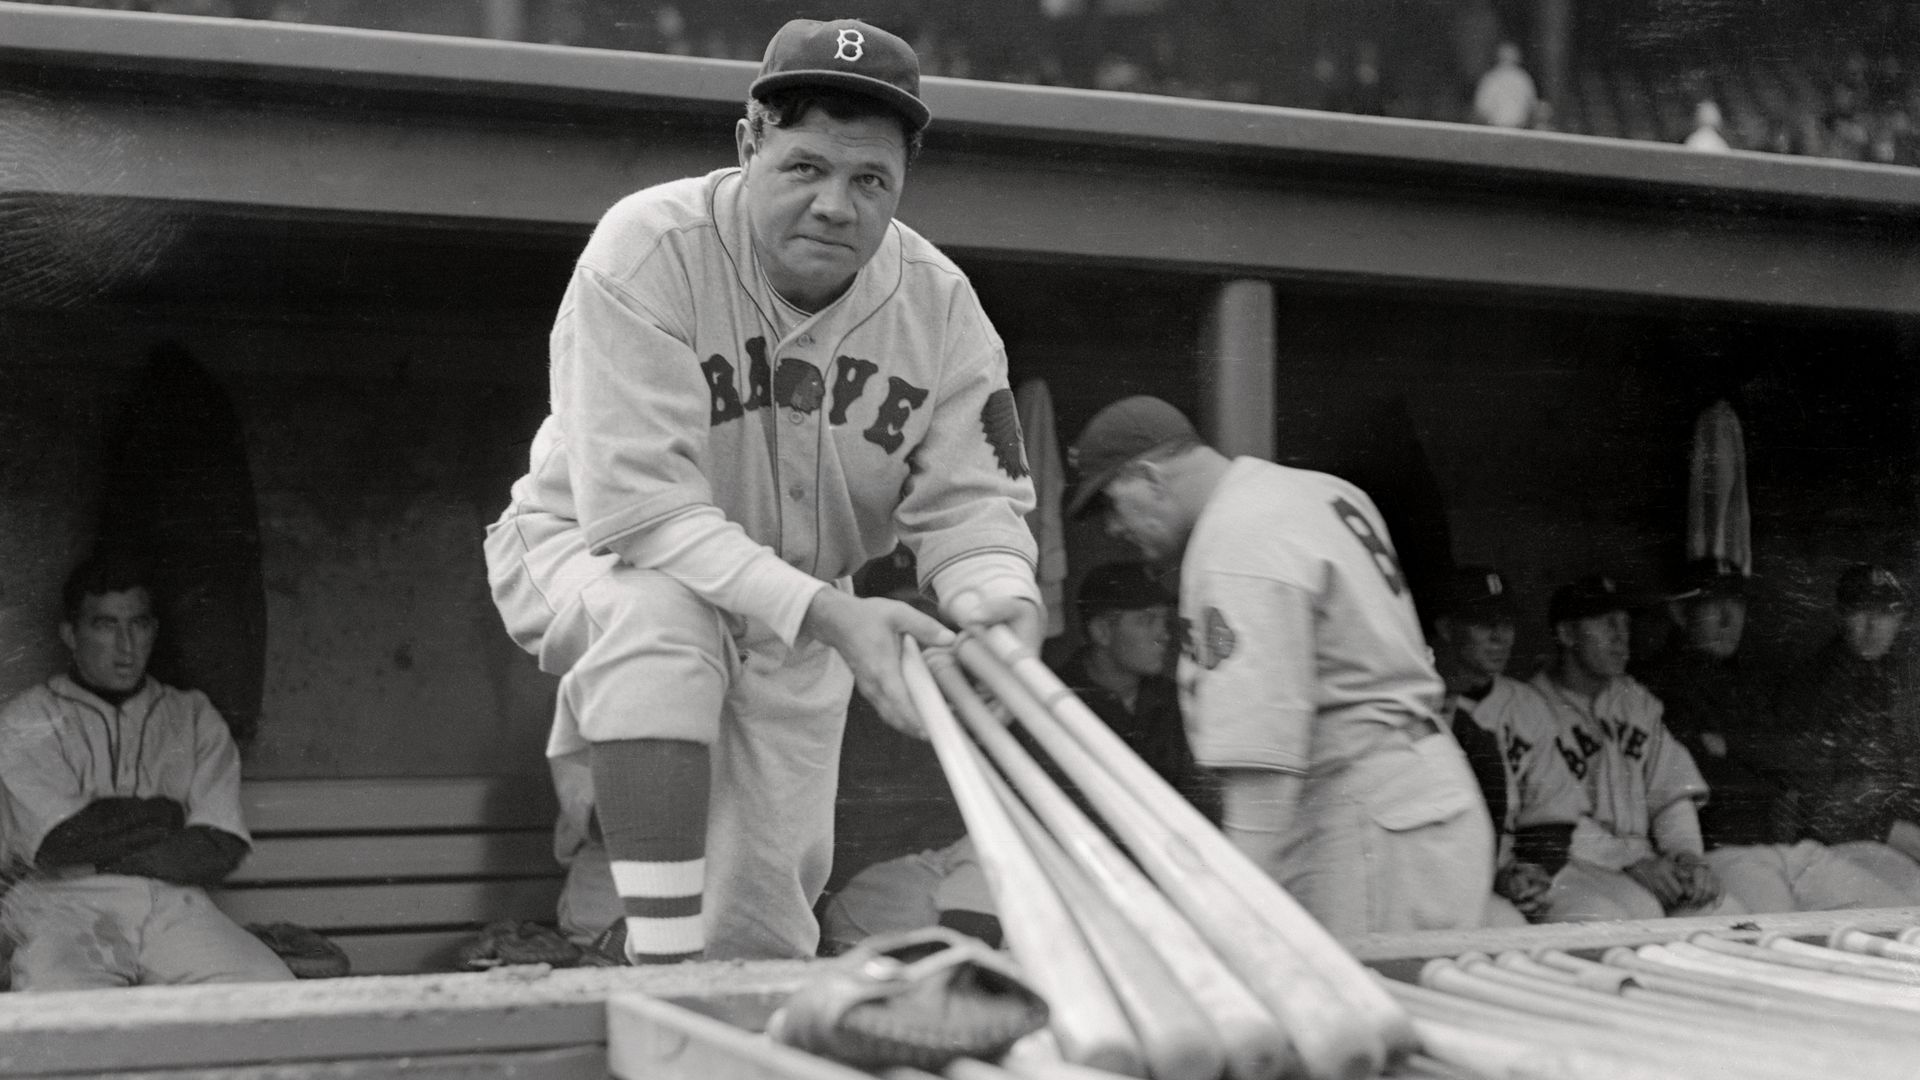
(713,458)
(1539,788)
(676,387)
(1619,749)
(1301,643)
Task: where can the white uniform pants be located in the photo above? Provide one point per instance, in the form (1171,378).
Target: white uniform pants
(640,656)
(108,930)
(1400,840)
(1807,876)
(1885,862)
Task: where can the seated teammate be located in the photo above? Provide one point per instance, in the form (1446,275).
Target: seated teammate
(1122,674)
(1720,711)
(1646,789)
(944,887)
(1852,710)
(121,796)
(1508,731)
(1643,834)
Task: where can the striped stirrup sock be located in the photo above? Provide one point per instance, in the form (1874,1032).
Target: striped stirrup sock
(651,796)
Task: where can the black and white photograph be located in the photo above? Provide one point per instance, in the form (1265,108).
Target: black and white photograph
(975,539)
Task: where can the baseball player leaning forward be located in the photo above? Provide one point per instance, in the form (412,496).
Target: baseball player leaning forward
(760,381)
(1304,678)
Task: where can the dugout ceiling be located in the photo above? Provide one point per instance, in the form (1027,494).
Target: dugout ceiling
(430,160)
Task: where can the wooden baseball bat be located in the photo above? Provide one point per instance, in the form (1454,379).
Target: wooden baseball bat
(1788,953)
(1547,1046)
(1765,1020)
(1863,964)
(1085,1016)
(1255,1046)
(1856,940)
(1331,1040)
(1745,1045)
(1177,1041)
(1691,957)
(1650,966)
(1349,980)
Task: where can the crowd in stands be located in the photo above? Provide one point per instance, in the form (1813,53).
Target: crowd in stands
(1828,100)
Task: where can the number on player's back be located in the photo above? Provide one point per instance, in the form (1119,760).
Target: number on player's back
(1376,545)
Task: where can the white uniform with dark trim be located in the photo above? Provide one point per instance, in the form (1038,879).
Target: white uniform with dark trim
(1633,770)
(713,458)
(1303,655)
(1540,790)
(61,748)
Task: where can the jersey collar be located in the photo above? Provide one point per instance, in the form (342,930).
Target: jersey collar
(872,286)
(64,686)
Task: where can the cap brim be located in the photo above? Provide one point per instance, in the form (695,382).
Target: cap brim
(911,108)
(1087,493)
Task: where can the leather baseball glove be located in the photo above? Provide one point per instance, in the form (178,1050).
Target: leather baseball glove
(920,998)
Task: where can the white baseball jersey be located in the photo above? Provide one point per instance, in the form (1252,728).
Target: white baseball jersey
(1620,751)
(1540,788)
(61,748)
(702,427)
(1301,648)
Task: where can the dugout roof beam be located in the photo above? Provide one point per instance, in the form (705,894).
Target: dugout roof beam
(253,120)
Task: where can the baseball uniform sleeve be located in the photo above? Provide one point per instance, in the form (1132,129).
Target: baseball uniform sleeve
(40,784)
(1252,706)
(1677,828)
(964,510)
(633,404)
(213,799)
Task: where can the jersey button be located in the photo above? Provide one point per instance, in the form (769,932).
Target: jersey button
(806,339)
(796,493)
(796,417)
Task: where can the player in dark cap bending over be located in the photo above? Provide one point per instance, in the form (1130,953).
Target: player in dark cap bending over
(760,381)
(1304,678)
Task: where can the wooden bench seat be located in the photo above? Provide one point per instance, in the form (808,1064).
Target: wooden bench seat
(398,872)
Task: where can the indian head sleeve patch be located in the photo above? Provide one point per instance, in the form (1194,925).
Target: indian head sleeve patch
(1000,419)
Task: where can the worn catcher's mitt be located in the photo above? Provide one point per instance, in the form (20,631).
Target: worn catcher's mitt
(920,998)
(507,942)
(305,952)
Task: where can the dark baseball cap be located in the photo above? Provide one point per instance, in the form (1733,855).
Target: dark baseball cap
(1473,594)
(1118,434)
(1595,594)
(1124,586)
(1866,586)
(845,54)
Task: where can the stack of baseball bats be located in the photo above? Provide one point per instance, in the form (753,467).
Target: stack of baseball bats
(1169,955)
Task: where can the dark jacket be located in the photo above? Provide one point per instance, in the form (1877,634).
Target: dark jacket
(1152,729)
(1856,727)
(1746,772)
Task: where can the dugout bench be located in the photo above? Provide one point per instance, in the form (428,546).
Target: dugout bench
(398,872)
